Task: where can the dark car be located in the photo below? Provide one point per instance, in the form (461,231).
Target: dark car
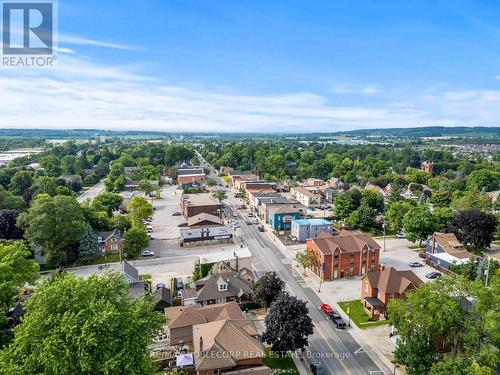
(261,228)
(433,275)
(338,321)
(423,255)
(176,214)
(182,225)
(333,315)
(317,369)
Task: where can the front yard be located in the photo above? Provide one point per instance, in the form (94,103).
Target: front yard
(273,361)
(358,314)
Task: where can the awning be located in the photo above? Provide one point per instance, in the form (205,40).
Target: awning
(375,302)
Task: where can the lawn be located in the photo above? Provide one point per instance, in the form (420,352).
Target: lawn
(359,316)
(107,258)
(274,362)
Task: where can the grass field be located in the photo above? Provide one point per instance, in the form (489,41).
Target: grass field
(358,315)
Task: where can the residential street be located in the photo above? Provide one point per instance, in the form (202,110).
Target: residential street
(336,349)
(91,193)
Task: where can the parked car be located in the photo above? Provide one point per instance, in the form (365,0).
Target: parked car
(179,284)
(423,255)
(433,275)
(181,225)
(401,235)
(415,264)
(317,369)
(261,228)
(177,213)
(248,222)
(147,253)
(333,315)
(256,221)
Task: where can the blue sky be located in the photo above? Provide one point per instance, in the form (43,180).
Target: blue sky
(290,65)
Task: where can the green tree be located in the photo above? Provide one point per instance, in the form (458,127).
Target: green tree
(483,179)
(10,201)
(373,199)
(415,354)
(107,202)
(136,239)
(139,209)
(89,247)
(145,186)
(220,195)
(98,330)
(16,269)
(55,224)
(362,218)
(121,222)
(440,198)
(396,212)
(267,288)
(443,217)
(346,203)
(418,176)
(21,181)
(450,366)
(472,199)
(418,223)
(304,259)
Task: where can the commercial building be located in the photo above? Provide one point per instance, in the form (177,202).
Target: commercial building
(205,236)
(282,215)
(195,204)
(304,229)
(306,197)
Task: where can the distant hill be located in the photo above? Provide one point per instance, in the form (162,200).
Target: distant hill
(428,131)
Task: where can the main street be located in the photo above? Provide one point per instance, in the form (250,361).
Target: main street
(336,349)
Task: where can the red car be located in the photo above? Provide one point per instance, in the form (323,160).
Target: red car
(327,309)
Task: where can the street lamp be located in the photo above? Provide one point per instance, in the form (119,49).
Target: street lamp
(349,313)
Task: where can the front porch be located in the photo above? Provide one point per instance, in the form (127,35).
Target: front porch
(374,308)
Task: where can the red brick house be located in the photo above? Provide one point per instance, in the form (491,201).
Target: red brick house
(379,287)
(348,254)
(110,242)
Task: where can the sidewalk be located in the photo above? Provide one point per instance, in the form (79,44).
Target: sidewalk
(375,340)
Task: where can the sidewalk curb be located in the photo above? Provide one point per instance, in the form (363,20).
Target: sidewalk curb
(300,366)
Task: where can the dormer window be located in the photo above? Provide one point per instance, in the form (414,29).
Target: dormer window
(222,287)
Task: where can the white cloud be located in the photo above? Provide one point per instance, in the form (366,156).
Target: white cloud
(77,40)
(81,93)
(354,90)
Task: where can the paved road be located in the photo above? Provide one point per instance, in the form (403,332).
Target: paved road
(336,349)
(93,192)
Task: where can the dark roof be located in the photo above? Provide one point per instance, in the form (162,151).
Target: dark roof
(108,234)
(375,302)
(130,270)
(188,293)
(183,172)
(16,311)
(163,294)
(391,280)
(137,290)
(236,287)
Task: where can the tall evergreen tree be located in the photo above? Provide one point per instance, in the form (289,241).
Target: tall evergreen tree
(89,247)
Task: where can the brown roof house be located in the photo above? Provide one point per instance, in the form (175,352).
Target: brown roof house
(181,319)
(110,242)
(348,254)
(226,345)
(224,284)
(445,250)
(379,287)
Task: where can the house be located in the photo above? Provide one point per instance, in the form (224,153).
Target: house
(303,229)
(163,298)
(237,259)
(345,255)
(204,220)
(111,241)
(444,249)
(330,194)
(188,296)
(226,170)
(224,284)
(205,236)
(335,183)
(379,287)
(281,216)
(195,204)
(224,345)
(428,166)
(256,197)
(181,319)
(314,182)
(137,287)
(306,197)
(244,176)
(130,170)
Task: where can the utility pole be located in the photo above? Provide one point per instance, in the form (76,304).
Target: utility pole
(487,273)
(383,226)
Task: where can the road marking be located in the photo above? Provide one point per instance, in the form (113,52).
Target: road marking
(359,351)
(376,372)
(331,348)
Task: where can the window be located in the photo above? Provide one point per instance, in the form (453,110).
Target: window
(222,287)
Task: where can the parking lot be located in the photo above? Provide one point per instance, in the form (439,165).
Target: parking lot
(165,225)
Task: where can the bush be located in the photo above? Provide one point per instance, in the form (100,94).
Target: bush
(250,305)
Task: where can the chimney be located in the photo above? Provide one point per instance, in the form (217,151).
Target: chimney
(381,267)
(236,265)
